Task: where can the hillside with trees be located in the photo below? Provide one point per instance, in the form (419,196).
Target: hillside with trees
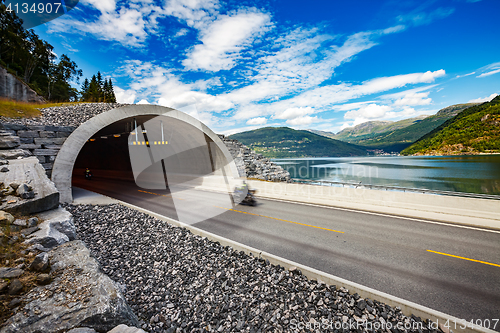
(33,61)
(97,90)
(394,136)
(283,142)
(475,130)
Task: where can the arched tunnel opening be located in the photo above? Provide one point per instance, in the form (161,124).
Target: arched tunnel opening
(160,156)
(106,154)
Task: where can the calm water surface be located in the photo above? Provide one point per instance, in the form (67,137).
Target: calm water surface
(472,174)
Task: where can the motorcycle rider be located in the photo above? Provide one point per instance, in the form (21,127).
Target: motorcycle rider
(88,174)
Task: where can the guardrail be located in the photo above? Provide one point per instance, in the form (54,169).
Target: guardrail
(397,188)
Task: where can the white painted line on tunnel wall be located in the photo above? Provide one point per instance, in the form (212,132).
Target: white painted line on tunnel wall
(385,215)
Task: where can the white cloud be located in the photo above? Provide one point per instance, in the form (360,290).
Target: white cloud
(370,111)
(129,25)
(124,96)
(414,99)
(223,40)
(489,73)
(484,99)
(472,73)
(143,101)
(195,13)
(292,113)
(302,121)
(423,18)
(181,32)
(101,5)
(257,121)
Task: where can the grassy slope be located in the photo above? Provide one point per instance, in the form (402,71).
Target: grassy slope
(14,109)
(286,142)
(469,132)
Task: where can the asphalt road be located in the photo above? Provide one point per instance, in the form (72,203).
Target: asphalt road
(406,258)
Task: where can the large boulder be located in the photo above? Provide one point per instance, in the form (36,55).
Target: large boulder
(44,195)
(57,228)
(80,296)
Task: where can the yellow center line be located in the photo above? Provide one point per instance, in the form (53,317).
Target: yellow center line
(275,218)
(163,195)
(451,255)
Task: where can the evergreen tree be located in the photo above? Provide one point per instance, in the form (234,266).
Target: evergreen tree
(85,90)
(93,95)
(112,97)
(105,91)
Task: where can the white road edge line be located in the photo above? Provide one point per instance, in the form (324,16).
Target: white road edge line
(385,215)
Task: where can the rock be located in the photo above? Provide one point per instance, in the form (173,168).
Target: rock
(33,221)
(361,304)
(43,195)
(6,218)
(14,185)
(13,154)
(3,286)
(82,330)
(4,169)
(43,279)
(40,263)
(56,229)
(97,303)
(25,192)
(19,222)
(15,287)
(125,329)
(29,231)
(15,302)
(10,272)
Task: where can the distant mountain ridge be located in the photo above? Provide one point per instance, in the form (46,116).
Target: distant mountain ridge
(403,134)
(371,128)
(283,142)
(474,130)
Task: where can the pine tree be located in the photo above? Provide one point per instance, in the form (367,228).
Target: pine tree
(93,95)
(105,91)
(85,90)
(112,97)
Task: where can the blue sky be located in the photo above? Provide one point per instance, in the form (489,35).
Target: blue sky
(322,64)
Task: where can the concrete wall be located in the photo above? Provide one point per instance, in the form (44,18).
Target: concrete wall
(44,142)
(12,88)
(462,210)
(65,160)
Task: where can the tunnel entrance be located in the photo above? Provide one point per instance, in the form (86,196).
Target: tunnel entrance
(193,157)
(106,153)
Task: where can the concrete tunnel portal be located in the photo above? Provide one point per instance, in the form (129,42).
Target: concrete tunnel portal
(167,142)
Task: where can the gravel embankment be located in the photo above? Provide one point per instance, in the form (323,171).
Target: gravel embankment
(179,282)
(66,115)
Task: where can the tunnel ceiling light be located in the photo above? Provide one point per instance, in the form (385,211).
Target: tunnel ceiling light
(104,137)
(117,135)
(92,140)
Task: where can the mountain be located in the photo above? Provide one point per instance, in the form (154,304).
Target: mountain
(474,130)
(370,129)
(281,142)
(397,135)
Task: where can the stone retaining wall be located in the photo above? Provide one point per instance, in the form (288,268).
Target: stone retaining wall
(43,141)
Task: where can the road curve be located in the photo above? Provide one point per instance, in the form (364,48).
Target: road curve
(447,268)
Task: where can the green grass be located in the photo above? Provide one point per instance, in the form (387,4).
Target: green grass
(15,109)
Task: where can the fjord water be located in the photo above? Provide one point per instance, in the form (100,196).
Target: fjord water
(470,174)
